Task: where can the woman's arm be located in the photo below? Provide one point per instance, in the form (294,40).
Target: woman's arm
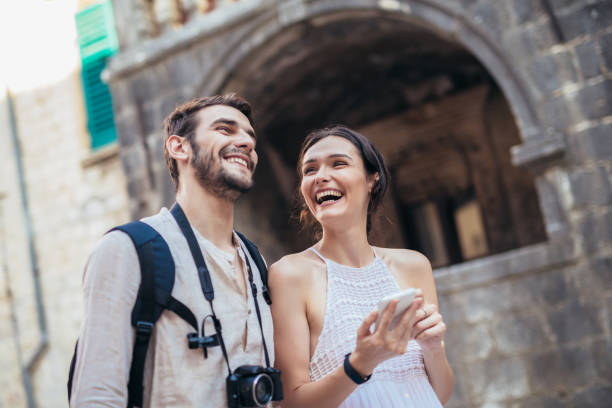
(429,329)
(289,287)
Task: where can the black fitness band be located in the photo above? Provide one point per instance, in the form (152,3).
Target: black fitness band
(352,374)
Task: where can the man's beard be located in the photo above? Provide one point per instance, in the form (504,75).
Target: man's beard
(219,181)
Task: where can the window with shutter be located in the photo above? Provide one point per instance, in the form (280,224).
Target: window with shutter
(97,42)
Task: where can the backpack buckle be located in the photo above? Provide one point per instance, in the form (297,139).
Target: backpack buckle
(143,330)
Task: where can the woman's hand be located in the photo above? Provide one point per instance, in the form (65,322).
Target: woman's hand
(373,348)
(429,329)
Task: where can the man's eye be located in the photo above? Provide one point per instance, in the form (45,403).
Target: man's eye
(224,129)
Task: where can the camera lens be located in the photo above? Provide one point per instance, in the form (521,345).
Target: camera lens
(263,389)
(256,391)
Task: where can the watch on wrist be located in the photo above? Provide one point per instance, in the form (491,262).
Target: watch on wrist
(352,374)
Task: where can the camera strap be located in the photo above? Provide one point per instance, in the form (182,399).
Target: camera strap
(203,274)
(254,291)
(206,283)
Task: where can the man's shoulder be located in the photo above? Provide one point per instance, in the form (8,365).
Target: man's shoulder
(117,242)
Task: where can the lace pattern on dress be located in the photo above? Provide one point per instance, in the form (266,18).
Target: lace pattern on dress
(352,293)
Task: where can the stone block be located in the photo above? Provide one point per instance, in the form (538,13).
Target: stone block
(128,130)
(147,116)
(595,232)
(593,143)
(543,289)
(588,59)
(145,86)
(493,17)
(134,161)
(526,10)
(602,355)
(551,72)
(558,113)
(605,45)
(577,320)
(486,303)
(585,20)
(598,396)
(137,188)
(529,40)
(540,401)
(558,372)
(521,333)
(469,342)
(551,204)
(602,271)
(591,187)
(497,379)
(595,100)
(120,95)
(184,69)
(166,106)
(451,308)
(461,390)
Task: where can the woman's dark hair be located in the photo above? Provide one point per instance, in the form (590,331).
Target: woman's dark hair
(373,162)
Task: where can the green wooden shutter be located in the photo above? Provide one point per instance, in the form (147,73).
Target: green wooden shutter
(97,42)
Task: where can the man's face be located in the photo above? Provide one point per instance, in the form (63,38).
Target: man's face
(224,157)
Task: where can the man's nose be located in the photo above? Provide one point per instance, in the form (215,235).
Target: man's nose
(245,141)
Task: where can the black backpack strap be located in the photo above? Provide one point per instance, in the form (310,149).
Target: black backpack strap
(149,247)
(154,295)
(261,266)
(71,372)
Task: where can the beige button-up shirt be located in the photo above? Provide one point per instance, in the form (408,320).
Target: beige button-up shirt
(174,375)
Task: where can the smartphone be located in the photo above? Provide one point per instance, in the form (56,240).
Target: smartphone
(405,300)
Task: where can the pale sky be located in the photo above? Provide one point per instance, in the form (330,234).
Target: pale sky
(37,42)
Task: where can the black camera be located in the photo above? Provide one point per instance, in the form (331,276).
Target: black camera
(253,386)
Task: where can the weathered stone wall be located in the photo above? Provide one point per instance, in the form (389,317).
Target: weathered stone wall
(73,197)
(527,328)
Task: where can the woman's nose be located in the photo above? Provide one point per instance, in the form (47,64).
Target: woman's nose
(321,176)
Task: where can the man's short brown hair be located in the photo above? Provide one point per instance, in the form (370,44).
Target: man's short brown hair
(184,120)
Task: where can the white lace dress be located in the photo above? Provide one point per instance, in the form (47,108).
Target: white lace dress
(352,293)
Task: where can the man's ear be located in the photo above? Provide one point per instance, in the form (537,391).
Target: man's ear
(178,148)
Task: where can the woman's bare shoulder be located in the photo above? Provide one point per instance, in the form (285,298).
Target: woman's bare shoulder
(405,259)
(295,268)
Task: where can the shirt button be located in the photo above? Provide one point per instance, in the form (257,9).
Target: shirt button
(250,311)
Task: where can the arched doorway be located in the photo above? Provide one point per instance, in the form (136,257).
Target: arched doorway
(434,110)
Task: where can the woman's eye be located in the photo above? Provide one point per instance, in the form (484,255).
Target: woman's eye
(339,163)
(309,170)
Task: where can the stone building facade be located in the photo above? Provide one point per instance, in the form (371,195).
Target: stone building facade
(498,113)
(496,120)
(57,198)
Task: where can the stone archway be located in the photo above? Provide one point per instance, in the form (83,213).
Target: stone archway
(364,66)
(447,20)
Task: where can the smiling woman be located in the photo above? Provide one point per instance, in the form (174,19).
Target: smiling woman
(324,298)
(344,150)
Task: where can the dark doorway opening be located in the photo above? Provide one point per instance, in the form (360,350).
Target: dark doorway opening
(434,111)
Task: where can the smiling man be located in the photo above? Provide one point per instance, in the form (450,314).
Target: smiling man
(209,145)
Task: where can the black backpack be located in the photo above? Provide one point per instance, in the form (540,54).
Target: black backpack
(155,295)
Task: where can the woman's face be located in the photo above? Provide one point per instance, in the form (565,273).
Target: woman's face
(335,184)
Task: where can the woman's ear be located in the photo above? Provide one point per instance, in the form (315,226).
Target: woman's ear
(373,179)
(178,148)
